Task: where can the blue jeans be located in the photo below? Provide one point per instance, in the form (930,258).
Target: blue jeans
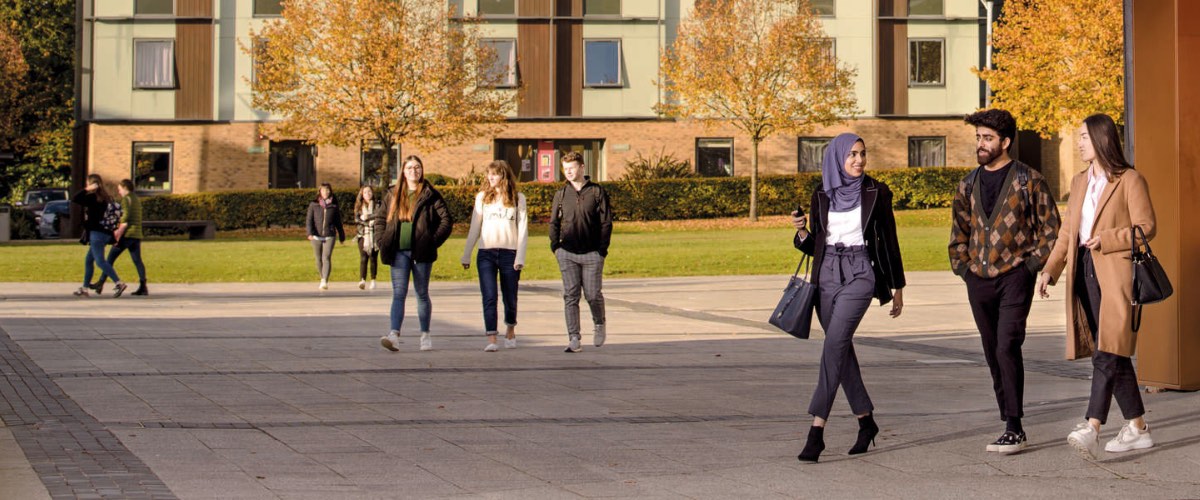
(402,265)
(134,246)
(95,256)
(489,262)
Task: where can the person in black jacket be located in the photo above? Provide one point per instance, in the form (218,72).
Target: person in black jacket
(95,200)
(415,222)
(856,257)
(324,221)
(580,230)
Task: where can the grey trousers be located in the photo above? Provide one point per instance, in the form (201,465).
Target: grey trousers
(323,252)
(844,293)
(584,271)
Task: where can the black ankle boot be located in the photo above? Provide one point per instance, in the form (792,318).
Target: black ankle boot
(142,290)
(867,430)
(814,446)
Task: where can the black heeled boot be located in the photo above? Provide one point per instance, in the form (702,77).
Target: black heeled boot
(867,430)
(142,290)
(814,446)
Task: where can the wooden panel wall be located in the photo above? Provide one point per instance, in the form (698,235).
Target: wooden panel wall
(535,8)
(194,70)
(892,71)
(568,69)
(569,8)
(194,8)
(534,66)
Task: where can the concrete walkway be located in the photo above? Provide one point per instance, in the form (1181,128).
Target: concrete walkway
(281,391)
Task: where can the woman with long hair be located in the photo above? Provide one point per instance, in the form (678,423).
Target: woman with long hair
(499,224)
(1108,199)
(324,221)
(856,257)
(368,253)
(415,222)
(95,200)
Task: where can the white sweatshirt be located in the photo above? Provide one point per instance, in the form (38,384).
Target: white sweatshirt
(496,226)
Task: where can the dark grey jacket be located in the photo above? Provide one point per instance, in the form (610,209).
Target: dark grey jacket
(325,222)
(581,221)
(431,221)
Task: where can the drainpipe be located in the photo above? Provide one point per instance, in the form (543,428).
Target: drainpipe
(987,51)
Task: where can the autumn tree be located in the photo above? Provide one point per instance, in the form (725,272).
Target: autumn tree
(763,66)
(1057,61)
(12,82)
(340,72)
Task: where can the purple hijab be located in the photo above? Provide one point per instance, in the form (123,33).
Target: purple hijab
(844,191)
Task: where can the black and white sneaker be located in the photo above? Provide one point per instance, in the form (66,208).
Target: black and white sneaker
(1009,442)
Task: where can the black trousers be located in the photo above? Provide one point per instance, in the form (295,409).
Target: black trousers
(1001,307)
(365,258)
(1112,375)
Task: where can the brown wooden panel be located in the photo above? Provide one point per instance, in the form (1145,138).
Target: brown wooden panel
(568,68)
(194,8)
(892,74)
(534,68)
(535,8)
(568,8)
(194,71)
(893,8)
(1188,179)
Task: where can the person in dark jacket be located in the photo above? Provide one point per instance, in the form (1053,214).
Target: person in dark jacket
(856,257)
(415,222)
(95,202)
(128,236)
(365,205)
(580,231)
(324,221)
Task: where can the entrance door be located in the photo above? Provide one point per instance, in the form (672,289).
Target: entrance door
(292,165)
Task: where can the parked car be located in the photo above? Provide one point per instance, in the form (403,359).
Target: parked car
(36,199)
(49,224)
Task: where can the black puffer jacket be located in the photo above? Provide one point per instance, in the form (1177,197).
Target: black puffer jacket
(581,221)
(324,222)
(431,226)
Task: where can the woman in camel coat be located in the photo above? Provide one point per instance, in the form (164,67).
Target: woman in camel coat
(1093,247)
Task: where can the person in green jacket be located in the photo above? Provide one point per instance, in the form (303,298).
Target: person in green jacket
(128,236)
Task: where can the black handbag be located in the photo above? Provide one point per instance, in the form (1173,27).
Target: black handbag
(794,312)
(1150,283)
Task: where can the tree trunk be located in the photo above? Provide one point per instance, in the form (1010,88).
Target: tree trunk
(754,181)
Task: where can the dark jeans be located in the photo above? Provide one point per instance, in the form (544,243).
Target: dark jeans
(489,263)
(402,266)
(1112,375)
(134,245)
(367,258)
(1001,307)
(95,257)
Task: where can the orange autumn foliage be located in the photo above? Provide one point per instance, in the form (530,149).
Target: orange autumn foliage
(12,81)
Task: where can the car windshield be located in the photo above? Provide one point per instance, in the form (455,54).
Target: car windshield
(43,197)
(57,208)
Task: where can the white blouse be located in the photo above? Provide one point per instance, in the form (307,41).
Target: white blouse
(1087,215)
(845,228)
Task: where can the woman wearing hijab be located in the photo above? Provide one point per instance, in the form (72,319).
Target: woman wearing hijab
(856,257)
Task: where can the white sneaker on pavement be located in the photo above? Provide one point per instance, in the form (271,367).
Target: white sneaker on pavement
(599,335)
(372,285)
(510,343)
(391,341)
(426,342)
(362,284)
(324,285)
(573,345)
(491,348)
(1085,440)
(1130,438)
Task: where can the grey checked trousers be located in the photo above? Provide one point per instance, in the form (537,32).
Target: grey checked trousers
(584,271)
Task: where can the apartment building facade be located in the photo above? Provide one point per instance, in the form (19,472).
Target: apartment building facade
(166,100)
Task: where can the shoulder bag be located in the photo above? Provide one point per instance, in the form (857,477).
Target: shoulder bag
(1150,283)
(794,312)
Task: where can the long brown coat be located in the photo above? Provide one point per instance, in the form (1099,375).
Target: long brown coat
(1124,203)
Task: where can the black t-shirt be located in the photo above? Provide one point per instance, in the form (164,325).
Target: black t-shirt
(991,184)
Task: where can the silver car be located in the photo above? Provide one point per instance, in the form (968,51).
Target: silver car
(50,221)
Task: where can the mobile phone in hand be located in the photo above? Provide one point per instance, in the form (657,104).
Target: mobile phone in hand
(799,210)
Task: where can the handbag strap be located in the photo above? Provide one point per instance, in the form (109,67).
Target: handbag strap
(804,263)
(1136,233)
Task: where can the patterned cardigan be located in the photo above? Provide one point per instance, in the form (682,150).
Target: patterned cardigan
(1016,233)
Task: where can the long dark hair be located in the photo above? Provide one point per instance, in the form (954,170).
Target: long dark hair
(101,192)
(326,185)
(1107,143)
(359,200)
(401,208)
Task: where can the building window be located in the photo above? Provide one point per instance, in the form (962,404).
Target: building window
(602,7)
(378,171)
(497,7)
(152,166)
(925,7)
(926,151)
(154,7)
(602,63)
(829,48)
(925,62)
(539,160)
(589,148)
(268,8)
(714,157)
(504,66)
(810,152)
(154,64)
(824,8)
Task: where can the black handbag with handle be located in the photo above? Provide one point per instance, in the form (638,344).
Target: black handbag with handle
(794,312)
(1150,283)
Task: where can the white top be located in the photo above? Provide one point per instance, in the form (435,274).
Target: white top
(496,226)
(845,227)
(1087,215)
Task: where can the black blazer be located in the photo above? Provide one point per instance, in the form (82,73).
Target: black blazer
(431,226)
(879,233)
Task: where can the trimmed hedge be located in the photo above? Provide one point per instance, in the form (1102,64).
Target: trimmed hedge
(657,199)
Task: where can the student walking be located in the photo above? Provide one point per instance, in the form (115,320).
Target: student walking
(580,231)
(324,221)
(499,223)
(1005,223)
(415,222)
(365,205)
(856,257)
(98,231)
(128,236)
(1108,199)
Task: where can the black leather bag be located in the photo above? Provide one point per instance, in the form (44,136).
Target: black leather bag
(794,312)
(1150,283)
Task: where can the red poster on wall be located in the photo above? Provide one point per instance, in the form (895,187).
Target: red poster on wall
(545,161)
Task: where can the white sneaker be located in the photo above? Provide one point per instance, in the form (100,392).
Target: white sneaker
(362,284)
(324,285)
(426,342)
(510,343)
(391,342)
(372,285)
(573,345)
(491,348)
(1130,438)
(599,335)
(1085,440)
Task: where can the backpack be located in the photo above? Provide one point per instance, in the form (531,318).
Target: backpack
(1022,178)
(112,216)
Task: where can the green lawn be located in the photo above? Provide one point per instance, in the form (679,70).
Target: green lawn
(653,249)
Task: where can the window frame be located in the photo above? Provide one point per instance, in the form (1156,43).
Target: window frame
(732,156)
(174,9)
(620,74)
(908,10)
(371,145)
(254,11)
(174,85)
(620,10)
(832,8)
(513,75)
(516,9)
(133,175)
(913,138)
(800,140)
(941,70)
